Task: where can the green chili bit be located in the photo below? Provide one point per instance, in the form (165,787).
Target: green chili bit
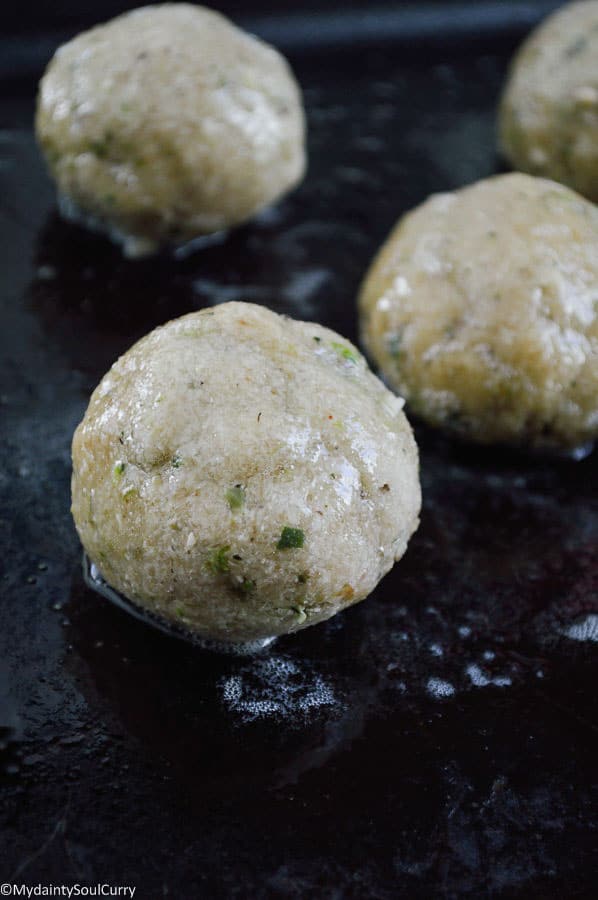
(345,352)
(290,538)
(235,497)
(119,468)
(300,614)
(218,563)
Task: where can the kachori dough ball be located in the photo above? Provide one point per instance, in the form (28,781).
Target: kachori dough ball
(244,474)
(481,310)
(168,123)
(548,120)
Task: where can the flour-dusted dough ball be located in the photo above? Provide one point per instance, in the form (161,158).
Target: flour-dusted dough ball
(548,119)
(244,474)
(168,123)
(481,309)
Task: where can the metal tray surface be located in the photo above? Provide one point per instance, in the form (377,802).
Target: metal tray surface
(439,739)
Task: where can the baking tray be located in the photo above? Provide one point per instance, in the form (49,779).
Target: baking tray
(438,740)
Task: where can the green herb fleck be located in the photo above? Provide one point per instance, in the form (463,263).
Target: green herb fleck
(576,46)
(99,149)
(180,612)
(235,497)
(300,614)
(290,538)
(52,155)
(345,352)
(451,329)
(247,586)
(218,563)
(119,468)
(128,492)
(317,339)
(176,461)
(394,345)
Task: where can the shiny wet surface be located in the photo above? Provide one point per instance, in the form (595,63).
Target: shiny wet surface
(441,738)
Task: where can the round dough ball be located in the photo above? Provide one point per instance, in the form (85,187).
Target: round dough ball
(548,121)
(168,123)
(481,309)
(244,474)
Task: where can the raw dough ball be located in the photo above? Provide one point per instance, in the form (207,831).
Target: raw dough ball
(549,112)
(168,123)
(481,309)
(244,474)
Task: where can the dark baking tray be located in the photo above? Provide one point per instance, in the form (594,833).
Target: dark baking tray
(440,739)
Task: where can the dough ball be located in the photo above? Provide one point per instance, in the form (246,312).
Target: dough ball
(244,474)
(481,310)
(168,123)
(548,119)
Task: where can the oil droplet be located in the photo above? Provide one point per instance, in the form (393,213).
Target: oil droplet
(585,630)
(439,688)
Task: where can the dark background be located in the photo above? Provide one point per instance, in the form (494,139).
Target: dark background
(29,15)
(32,29)
(438,740)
